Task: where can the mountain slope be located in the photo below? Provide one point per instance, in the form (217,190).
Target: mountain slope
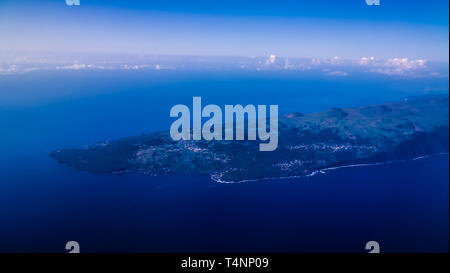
(307,143)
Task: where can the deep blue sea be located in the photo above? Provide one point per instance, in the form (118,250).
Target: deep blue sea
(404,206)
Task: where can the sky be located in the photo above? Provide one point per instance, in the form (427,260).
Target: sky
(320,29)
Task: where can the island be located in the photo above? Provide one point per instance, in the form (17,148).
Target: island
(308,143)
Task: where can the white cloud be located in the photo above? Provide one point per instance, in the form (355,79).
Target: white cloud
(75,66)
(134,67)
(336,60)
(11,69)
(405,63)
(366,60)
(401,66)
(337,73)
(315,61)
(272,59)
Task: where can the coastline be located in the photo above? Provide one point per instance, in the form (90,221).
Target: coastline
(325,170)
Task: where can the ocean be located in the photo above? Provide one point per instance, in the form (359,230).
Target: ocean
(404,206)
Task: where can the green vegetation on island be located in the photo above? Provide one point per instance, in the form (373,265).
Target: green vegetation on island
(307,143)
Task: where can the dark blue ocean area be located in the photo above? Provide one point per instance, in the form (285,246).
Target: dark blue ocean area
(403,205)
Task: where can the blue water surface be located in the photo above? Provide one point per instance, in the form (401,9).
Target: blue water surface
(404,206)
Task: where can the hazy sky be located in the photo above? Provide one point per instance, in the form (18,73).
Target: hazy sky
(347,28)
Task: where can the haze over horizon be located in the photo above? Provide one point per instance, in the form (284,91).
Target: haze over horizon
(296,29)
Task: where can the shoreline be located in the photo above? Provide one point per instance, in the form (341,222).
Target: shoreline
(323,171)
